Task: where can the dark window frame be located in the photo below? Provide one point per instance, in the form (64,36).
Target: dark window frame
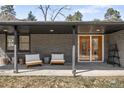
(7,50)
(19,43)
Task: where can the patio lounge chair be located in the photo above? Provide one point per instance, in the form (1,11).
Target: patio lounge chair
(4,61)
(57,59)
(33,59)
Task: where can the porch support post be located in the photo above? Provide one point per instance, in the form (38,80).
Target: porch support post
(15,50)
(73,52)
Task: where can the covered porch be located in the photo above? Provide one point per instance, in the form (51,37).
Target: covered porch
(59,37)
(43,38)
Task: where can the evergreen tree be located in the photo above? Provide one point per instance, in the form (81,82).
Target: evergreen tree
(97,20)
(112,15)
(31,17)
(76,17)
(8,9)
(7,13)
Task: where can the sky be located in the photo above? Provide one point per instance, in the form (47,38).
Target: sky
(90,12)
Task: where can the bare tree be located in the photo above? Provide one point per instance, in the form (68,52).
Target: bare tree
(53,13)
(44,10)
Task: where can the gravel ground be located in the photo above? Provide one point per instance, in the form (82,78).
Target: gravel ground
(60,82)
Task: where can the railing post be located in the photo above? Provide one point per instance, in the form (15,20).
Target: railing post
(15,50)
(73,53)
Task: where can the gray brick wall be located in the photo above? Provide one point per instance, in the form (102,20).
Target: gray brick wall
(45,44)
(2,41)
(106,42)
(118,37)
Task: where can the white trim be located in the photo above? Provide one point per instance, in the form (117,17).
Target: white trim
(103,43)
(91,47)
(78,48)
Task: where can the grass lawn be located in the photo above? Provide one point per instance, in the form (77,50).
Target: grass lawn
(60,82)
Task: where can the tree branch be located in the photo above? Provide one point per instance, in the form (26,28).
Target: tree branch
(44,11)
(59,11)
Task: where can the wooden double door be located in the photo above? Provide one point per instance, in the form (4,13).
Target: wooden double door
(90,48)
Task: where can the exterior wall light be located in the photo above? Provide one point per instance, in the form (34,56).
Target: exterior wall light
(98,30)
(5,30)
(51,30)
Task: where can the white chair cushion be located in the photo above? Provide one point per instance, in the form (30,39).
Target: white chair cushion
(32,57)
(59,60)
(57,56)
(2,61)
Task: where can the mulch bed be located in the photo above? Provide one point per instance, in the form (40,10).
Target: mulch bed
(60,82)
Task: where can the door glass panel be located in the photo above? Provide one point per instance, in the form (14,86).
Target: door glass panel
(96,48)
(89,53)
(84,48)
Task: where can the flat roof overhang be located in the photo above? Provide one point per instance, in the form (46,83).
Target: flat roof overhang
(64,27)
(31,23)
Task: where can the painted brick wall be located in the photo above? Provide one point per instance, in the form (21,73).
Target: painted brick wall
(118,37)
(106,45)
(45,44)
(2,41)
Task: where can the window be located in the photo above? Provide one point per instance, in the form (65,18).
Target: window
(23,42)
(10,42)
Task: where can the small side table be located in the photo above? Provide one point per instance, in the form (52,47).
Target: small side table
(21,61)
(46,60)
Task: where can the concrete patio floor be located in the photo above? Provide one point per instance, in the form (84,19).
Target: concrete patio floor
(83,69)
